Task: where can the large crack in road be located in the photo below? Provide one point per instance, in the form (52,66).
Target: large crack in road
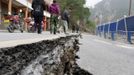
(48,57)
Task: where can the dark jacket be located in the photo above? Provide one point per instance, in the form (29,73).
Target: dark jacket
(65,16)
(37,3)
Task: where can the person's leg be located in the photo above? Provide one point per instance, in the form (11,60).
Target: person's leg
(35,26)
(65,25)
(59,26)
(35,23)
(39,24)
(77,29)
(39,28)
(55,25)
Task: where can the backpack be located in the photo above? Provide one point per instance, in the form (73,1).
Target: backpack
(38,10)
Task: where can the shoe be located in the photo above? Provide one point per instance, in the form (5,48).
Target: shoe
(39,32)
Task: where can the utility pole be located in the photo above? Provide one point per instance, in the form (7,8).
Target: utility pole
(130,7)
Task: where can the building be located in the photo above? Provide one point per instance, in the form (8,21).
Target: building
(9,7)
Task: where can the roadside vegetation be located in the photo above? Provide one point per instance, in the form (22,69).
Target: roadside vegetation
(78,13)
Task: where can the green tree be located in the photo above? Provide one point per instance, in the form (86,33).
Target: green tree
(78,12)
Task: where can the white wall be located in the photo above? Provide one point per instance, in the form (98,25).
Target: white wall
(49,2)
(25,3)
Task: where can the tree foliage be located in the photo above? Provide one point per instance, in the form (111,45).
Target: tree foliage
(77,6)
(78,11)
(90,25)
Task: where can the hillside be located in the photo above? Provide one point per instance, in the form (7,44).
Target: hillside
(111,10)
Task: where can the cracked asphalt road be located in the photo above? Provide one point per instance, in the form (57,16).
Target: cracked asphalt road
(106,57)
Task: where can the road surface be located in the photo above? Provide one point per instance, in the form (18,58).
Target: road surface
(105,57)
(13,39)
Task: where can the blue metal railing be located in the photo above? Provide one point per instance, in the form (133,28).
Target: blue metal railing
(124,26)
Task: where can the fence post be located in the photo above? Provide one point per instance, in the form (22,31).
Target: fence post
(99,33)
(105,35)
(96,31)
(129,37)
(128,34)
(112,35)
(109,30)
(99,30)
(103,30)
(117,29)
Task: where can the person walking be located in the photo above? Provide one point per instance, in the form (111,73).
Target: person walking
(54,9)
(65,19)
(38,8)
